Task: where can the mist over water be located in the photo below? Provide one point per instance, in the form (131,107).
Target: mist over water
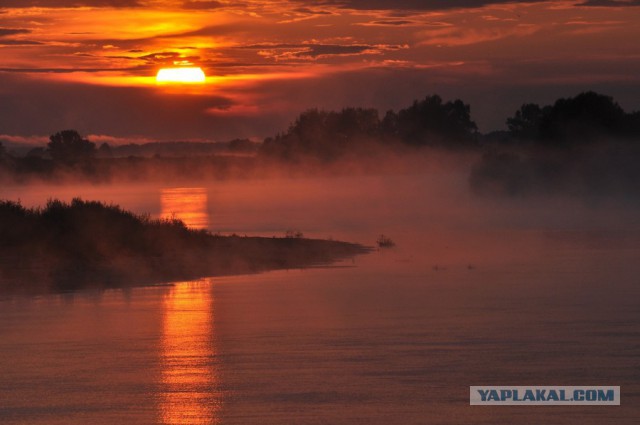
(477,291)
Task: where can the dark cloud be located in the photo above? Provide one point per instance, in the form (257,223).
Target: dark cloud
(68,3)
(33,106)
(158,57)
(6,32)
(19,43)
(310,50)
(162,58)
(394,5)
(318,50)
(62,70)
(391,22)
(12,31)
(307,11)
(30,106)
(610,3)
(202,5)
(418,4)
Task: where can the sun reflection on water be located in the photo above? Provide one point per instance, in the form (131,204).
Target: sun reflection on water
(188,204)
(190,393)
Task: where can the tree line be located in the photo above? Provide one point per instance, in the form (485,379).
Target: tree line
(432,122)
(329,134)
(587,117)
(586,145)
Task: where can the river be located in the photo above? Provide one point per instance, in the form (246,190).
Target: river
(475,292)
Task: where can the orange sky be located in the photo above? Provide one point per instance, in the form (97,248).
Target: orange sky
(90,64)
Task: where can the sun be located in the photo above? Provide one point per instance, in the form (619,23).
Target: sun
(184,75)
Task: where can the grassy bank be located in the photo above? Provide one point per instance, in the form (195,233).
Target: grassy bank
(89,244)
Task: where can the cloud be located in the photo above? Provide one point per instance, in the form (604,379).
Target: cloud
(401,46)
(317,50)
(610,3)
(202,5)
(14,4)
(13,31)
(165,58)
(323,50)
(235,110)
(33,106)
(7,32)
(307,11)
(24,140)
(19,43)
(426,5)
(390,23)
(300,14)
(62,70)
(114,140)
(460,36)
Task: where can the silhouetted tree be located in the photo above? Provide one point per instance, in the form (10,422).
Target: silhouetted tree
(241,145)
(36,152)
(525,124)
(432,122)
(69,146)
(632,124)
(325,135)
(4,157)
(389,125)
(104,151)
(309,130)
(584,117)
(353,123)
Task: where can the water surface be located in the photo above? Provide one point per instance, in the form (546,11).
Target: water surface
(537,292)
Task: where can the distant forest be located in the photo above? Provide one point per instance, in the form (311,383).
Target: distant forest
(587,142)
(587,117)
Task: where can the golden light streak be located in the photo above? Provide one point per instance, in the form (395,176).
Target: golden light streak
(186,204)
(190,392)
(183,75)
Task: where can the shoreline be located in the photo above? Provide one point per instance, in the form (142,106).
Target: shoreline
(67,247)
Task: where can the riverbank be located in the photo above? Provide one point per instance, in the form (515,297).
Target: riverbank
(84,244)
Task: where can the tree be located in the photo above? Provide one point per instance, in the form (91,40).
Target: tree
(353,123)
(587,116)
(432,122)
(632,125)
(104,151)
(525,124)
(326,135)
(69,146)
(389,125)
(4,156)
(37,152)
(329,135)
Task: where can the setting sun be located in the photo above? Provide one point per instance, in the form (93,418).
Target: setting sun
(190,75)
